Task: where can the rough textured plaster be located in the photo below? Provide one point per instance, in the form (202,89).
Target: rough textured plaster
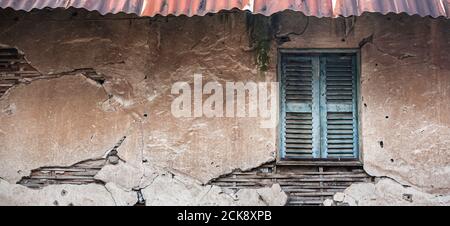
(405,76)
(56,122)
(128,176)
(56,195)
(168,189)
(404,90)
(140,60)
(121,196)
(386,192)
(158,187)
(162,187)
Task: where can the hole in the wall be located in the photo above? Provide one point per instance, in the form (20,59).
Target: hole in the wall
(283,39)
(392,160)
(365,105)
(387,117)
(265,175)
(381,144)
(45,176)
(10,63)
(80,173)
(101,81)
(55,203)
(113,159)
(408,197)
(141,201)
(145,115)
(113,152)
(376,65)
(343,40)
(70,204)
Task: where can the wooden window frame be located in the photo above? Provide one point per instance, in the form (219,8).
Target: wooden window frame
(357,100)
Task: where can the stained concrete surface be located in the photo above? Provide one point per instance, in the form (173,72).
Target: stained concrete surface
(56,195)
(56,122)
(404,98)
(403,93)
(163,188)
(386,192)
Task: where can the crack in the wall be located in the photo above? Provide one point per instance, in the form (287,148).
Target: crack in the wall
(140,198)
(143,160)
(387,172)
(115,159)
(285,37)
(370,40)
(15,69)
(111,194)
(112,155)
(79,173)
(266,167)
(305,185)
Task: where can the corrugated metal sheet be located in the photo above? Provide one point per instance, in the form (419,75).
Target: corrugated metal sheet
(319,8)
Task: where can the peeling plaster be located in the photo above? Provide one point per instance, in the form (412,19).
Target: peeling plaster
(55,195)
(386,192)
(403,98)
(61,106)
(59,119)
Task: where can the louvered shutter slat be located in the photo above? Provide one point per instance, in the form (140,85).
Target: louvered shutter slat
(298,75)
(318,101)
(339,122)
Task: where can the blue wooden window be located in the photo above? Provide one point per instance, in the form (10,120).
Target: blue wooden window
(318,105)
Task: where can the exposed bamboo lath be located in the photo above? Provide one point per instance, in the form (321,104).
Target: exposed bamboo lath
(14,69)
(305,185)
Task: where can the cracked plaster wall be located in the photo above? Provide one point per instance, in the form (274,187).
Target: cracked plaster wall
(404,91)
(140,60)
(386,192)
(404,94)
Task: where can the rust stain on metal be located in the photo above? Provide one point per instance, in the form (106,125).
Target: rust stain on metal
(318,8)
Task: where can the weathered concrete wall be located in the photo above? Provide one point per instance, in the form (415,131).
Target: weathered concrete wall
(56,122)
(404,91)
(141,59)
(386,192)
(404,94)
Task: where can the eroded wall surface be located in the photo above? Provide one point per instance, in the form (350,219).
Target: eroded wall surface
(404,97)
(404,91)
(386,192)
(141,59)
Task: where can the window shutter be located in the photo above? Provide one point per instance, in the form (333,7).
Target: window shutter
(318,106)
(300,131)
(338,108)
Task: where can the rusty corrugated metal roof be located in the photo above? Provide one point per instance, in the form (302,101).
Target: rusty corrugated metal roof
(319,8)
